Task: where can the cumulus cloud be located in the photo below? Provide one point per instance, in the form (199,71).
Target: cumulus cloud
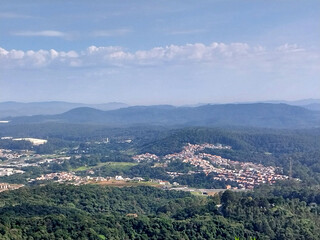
(234,54)
(34,59)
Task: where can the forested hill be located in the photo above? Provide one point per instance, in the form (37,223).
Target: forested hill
(15,109)
(253,115)
(92,212)
(265,146)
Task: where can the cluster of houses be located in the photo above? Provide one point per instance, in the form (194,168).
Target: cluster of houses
(60,177)
(190,149)
(251,177)
(6,171)
(70,177)
(246,174)
(145,157)
(9,154)
(7,186)
(14,161)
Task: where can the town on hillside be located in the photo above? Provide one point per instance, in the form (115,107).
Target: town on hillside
(246,174)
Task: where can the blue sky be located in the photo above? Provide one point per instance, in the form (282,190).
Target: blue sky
(159,52)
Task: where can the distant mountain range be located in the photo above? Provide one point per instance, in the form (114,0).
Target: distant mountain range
(14,109)
(311,104)
(302,102)
(254,115)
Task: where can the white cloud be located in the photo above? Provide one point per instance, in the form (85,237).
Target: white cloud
(234,55)
(35,59)
(289,48)
(93,50)
(14,54)
(45,33)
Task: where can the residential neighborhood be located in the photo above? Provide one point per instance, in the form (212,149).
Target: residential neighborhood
(246,174)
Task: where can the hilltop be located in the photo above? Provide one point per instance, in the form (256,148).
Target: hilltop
(15,109)
(265,115)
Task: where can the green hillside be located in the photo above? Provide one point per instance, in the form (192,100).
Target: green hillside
(94,212)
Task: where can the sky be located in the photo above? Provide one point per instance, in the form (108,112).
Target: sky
(149,52)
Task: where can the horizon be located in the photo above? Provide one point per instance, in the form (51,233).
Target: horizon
(289,102)
(159,53)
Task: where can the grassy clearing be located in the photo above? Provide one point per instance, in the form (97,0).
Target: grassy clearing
(196,193)
(83,168)
(130,152)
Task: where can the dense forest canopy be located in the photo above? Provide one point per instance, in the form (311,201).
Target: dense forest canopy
(287,211)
